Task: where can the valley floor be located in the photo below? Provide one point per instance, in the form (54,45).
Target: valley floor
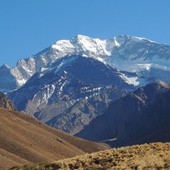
(146,156)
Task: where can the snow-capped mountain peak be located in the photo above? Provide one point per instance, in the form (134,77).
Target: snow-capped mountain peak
(122,39)
(90,46)
(63,48)
(123,52)
(85,46)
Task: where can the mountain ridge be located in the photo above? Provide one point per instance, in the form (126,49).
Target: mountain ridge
(72,82)
(68,90)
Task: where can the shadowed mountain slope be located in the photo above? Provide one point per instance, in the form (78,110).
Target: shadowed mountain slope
(71,93)
(139,117)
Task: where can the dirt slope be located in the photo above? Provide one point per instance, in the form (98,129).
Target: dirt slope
(24,140)
(147,156)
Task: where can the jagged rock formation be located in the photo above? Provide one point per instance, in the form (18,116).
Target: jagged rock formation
(5,102)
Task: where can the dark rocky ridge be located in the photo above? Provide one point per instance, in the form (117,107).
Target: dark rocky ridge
(141,116)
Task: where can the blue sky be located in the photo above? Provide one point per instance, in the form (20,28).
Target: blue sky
(29,26)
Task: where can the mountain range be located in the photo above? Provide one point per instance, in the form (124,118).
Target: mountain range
(127,53)
(70,96)
(73,82)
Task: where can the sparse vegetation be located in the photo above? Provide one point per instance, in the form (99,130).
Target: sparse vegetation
(147,156)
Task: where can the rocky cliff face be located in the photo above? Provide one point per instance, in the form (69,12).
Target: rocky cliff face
(139,117)
(5,102)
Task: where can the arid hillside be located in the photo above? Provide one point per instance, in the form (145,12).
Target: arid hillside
(24,140)
(147,156)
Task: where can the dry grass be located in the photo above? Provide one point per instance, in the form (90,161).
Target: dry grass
(144,157)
